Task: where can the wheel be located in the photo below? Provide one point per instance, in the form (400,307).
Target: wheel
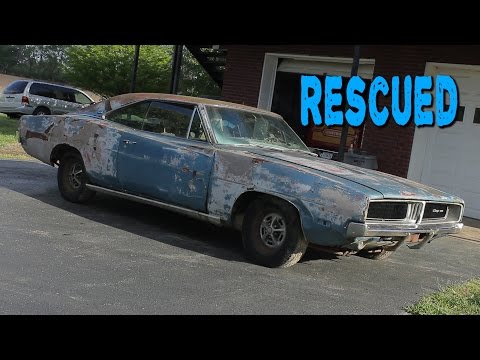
(272,234)
(376,254)
(72,179)
(41,111)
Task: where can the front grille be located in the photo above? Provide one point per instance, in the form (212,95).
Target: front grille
(387,211)
(441,211)
(435,211)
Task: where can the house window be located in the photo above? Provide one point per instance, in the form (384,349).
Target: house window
(476,117)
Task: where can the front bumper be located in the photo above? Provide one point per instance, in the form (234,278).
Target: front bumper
(373,230)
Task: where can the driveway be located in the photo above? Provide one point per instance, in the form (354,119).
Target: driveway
(113,256)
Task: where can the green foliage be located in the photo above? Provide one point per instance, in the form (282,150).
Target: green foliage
(107,69)
(33,61)
(463,299)
(194,80)
(8,128)
(9,55)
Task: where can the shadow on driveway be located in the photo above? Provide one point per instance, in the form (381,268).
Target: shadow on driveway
(38,181)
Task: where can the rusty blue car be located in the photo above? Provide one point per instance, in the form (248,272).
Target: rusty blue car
(240,167)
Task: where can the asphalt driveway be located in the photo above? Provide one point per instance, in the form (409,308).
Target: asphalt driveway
(113,256)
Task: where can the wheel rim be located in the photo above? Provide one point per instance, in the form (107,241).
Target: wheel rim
(273,230)
(75,176)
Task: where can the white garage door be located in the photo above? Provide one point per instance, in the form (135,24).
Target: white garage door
(449,158)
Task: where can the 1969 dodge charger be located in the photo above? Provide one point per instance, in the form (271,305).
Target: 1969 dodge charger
(236,166)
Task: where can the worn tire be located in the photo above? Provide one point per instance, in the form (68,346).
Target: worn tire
(73,188)
(288,251)
(41,111)
(378,255)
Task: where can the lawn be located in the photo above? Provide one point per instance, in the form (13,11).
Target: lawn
(9,147)
(461,299)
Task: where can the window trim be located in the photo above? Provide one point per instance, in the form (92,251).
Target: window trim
(200,108)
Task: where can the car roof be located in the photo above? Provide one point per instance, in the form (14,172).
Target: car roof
(124,99)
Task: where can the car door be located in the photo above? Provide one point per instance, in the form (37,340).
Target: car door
(161,162)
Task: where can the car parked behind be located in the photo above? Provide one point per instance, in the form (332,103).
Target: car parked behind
(31,97)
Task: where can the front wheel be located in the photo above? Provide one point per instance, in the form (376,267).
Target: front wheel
(272,235)
(72,179)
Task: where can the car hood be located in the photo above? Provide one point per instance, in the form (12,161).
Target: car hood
(390,186)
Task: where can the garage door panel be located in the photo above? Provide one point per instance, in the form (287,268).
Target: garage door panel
(450,160)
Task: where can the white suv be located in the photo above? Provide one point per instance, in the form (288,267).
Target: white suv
(31,97)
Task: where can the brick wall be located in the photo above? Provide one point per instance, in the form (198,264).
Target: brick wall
(391,144)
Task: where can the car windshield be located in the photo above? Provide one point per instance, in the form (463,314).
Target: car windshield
(239,127)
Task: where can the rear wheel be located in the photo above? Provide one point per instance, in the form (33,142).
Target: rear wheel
(41,111)
(72,179)
(272,234)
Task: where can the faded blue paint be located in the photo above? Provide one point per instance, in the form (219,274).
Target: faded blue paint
(165,167)
(211,178)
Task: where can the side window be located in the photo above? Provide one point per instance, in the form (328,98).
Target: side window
(64,94)
(168,118)
(44,90)
(16,87)
(132,115)
(81,98)
(196,130)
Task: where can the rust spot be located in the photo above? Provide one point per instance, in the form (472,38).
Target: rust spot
(257,161)
(185,169)
(413,238)
(35,135)
(47,130)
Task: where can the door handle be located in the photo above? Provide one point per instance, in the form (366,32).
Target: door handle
(129,142)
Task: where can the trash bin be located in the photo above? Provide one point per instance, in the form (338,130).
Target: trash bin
(363,160)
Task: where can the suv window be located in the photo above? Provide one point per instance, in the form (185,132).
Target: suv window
(168,118)
(131,116)
(45,90)
(81,98)
(65,94)
(16,87)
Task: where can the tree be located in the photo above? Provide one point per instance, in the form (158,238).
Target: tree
(194,80)
(8,57)
(107,69)
(38,61)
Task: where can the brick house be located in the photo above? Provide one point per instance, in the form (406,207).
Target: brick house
(267,76)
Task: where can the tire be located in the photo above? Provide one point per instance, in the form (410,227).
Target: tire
(281,246)
(41,111)
(376,254)
(72,179)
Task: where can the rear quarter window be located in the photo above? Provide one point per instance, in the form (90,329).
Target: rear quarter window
(16,87)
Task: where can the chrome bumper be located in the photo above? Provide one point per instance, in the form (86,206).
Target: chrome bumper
(359,229)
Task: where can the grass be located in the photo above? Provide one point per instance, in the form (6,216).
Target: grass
(9,147)
(461,299)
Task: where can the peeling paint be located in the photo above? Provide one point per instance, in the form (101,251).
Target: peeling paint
(211,178)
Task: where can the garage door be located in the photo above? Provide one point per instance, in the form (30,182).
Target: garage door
(449,158)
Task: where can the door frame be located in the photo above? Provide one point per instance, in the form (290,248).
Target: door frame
(325,64)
